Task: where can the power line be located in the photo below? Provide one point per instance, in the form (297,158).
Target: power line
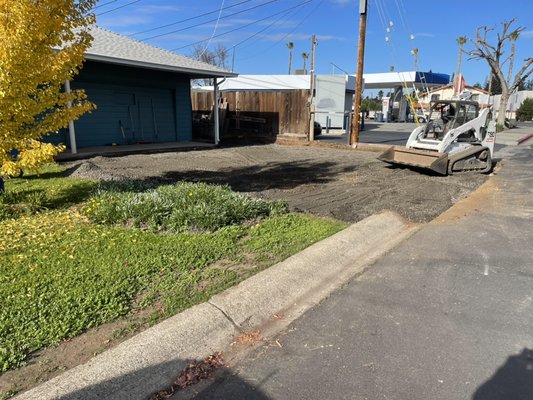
(104,4)
(189,19)
(386,15)
(406,19)
(394,56)
(255,34)
(244,26)
(262,30)
(118,8)
(401,16)
(299,24)
(339,68)
(381,14)
(211,20)
(215,29)
(290,32)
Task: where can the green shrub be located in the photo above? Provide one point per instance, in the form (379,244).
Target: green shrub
(525,111)
(179,207)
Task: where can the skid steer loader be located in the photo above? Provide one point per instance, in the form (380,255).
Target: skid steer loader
(458,137)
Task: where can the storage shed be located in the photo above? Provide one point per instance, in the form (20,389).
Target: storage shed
(142,93)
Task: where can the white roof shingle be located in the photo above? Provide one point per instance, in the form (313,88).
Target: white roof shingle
(114,48)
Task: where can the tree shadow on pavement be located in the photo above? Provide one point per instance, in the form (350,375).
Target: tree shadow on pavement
(512,381)
(256,178)
(228,385)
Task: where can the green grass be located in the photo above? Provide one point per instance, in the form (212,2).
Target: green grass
(61,274)
(279,238)
(46,190)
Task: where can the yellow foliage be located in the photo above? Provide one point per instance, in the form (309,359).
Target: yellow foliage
(42,44)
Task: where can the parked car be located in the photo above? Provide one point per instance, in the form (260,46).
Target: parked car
(421,117)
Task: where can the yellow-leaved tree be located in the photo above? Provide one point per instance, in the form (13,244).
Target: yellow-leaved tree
(42,44)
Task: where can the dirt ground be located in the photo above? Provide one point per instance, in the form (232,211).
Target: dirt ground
(344,184)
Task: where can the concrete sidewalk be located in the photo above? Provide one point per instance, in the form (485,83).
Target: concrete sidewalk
(153,359)
(446,315)
(521,135)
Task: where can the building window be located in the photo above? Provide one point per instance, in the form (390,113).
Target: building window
(435,97)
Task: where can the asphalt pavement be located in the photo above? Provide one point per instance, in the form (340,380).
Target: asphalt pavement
(393,134)
(448,314)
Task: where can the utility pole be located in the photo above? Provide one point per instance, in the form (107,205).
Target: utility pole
(311,135)
(354,131)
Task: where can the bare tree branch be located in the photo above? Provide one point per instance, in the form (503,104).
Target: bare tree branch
(492,53)
(522,75)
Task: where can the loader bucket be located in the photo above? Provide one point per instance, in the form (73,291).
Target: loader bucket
(432,160)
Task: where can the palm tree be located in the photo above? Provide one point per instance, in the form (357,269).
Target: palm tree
(414,52)
(391,68)
(513,36)
(461,41)
(305,56)
(290,46)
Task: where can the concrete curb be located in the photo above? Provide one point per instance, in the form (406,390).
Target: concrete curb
(151,360)
(145,363)
(525,138)
(294,285)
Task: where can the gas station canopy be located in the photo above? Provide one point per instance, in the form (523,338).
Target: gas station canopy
(387,80)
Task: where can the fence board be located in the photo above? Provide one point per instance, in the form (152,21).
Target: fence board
(283,111)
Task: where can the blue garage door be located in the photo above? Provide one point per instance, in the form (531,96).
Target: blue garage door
(126,115)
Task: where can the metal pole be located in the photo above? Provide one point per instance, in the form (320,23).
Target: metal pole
(71,130)
(354,133)
(349,124)
(215,111)
(312,90)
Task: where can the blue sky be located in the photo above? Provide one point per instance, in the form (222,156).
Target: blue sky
(266,26)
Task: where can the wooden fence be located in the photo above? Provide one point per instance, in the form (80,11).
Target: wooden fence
(257,113)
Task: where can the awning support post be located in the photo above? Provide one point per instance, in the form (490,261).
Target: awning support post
(215,112)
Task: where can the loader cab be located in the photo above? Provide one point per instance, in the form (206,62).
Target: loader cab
(449,114)
(467,111)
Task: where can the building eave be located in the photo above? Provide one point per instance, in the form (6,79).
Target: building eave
(193,72)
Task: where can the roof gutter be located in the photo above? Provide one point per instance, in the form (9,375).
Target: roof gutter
(197,73)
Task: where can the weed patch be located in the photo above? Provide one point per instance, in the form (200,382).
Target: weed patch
(177,208)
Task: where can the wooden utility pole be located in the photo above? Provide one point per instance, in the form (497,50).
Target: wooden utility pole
(354,132)
(311,135)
